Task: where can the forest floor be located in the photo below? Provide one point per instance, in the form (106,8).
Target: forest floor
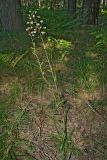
(56,109)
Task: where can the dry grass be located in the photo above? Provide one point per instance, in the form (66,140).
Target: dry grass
(44,121)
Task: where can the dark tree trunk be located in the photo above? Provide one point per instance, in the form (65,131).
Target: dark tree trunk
(72,6)
(10,17)
(91,10)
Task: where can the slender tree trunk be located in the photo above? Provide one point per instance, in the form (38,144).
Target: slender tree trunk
(83,6)
(10,16)
(72,6)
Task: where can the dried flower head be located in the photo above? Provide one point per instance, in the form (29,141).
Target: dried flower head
(35,24)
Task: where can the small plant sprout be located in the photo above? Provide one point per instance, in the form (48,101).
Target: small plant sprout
(35,24)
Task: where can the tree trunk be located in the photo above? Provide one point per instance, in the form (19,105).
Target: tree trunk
(83,6)
(10,17)
(72,6)
(92,11)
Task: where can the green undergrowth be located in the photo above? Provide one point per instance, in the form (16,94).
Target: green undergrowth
(84,55)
